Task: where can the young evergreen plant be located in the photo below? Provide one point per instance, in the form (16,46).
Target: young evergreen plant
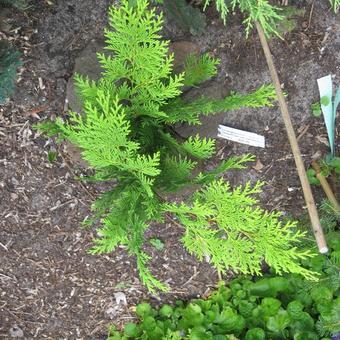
(126,134)
(20,4)
(9,63)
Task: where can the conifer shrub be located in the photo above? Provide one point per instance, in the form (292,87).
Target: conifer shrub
(9,63)
(126,135)
(20,4)
(9,57)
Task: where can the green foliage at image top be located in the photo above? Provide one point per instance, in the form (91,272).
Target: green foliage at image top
(273,307)
(187,17)
(9,63)
(262,11)
(335,4)
(126,135)
(255,10)
(20,4)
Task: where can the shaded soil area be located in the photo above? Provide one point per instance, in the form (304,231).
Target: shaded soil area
(49,286)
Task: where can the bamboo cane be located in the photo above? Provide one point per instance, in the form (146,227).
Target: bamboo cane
(326,187)
(313,213)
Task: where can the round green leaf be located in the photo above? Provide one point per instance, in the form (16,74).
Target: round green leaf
(255,334)
(166,310)
(325,101)
(131,329)
(278,322)
(143,309)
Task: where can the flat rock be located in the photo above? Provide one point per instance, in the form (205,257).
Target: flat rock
(87,65)
(75,155)
(16,332)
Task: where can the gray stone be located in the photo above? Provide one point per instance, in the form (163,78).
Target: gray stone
(209,125)
(87,65)
(16,332)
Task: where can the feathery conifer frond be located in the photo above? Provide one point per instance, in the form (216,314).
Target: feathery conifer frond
(226,227)
(125,224)
(201,148)
(176,173)
(103,136)
(86,89)
(198,69)
(189,112)
(140,59)
(256,10)
(234,162)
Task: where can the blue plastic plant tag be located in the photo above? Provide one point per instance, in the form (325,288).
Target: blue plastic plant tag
(329,107)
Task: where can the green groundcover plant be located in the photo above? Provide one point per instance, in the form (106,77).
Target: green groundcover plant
(126,135)
(273,307)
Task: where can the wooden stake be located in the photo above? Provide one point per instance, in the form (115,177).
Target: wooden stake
(326,187)
(313,213)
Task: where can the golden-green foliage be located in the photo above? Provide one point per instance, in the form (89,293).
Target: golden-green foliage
(125,134)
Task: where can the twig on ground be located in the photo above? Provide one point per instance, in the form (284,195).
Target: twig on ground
(303,132)
(310,15)
(192,277)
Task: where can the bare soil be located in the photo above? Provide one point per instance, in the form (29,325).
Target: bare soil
(49,286)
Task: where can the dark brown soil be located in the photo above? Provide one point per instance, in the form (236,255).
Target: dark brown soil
(49,286)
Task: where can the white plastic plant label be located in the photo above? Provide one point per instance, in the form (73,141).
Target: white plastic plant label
(241,136)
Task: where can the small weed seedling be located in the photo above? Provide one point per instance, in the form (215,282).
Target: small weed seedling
(316,109)
(157,243)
